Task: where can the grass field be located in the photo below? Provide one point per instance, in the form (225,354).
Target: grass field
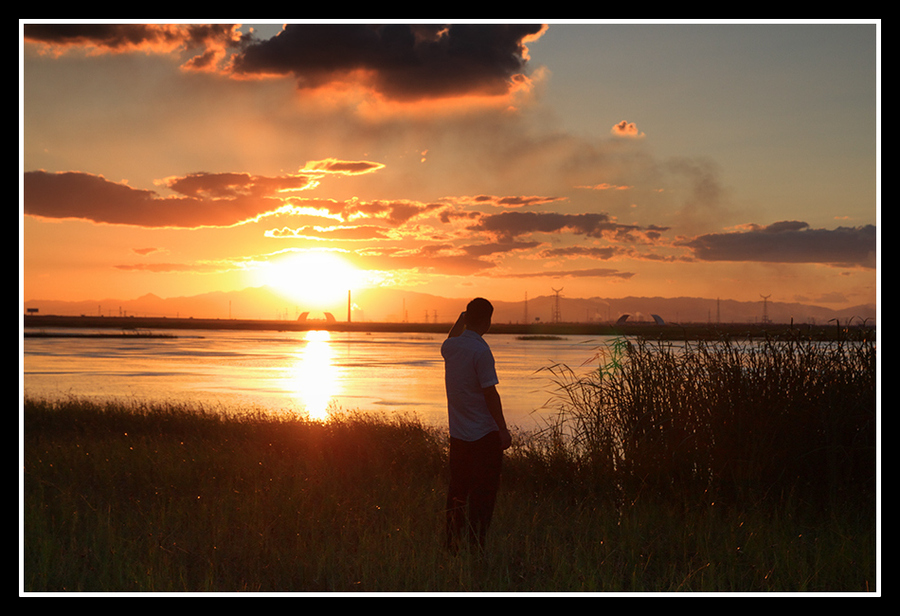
(700,469)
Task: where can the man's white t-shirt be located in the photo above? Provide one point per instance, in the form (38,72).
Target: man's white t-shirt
(468,370)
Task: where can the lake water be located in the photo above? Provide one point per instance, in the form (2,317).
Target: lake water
(311,372)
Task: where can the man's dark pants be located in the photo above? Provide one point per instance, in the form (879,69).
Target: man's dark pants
(474,480)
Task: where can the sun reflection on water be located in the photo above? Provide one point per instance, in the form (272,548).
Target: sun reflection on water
(315,377)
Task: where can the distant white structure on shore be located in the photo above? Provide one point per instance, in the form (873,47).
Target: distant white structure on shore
(656,318)
(304,317)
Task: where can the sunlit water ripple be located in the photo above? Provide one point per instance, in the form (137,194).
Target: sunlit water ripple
(308,372)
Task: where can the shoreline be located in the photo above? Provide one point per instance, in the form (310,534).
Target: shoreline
(688,331)
(122,334)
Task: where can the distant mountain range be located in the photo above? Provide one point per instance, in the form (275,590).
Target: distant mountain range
(391,305)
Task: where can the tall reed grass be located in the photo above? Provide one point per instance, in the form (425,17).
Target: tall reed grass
(740,420)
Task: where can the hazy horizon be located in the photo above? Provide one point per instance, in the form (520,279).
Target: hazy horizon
(398,305)
(709,160)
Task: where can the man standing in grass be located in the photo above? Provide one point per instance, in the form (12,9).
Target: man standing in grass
(478,432)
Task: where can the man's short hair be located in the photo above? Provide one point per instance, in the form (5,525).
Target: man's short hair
(479,310)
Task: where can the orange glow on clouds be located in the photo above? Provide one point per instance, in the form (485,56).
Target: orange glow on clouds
(341,167)
(438,157)
(627,129)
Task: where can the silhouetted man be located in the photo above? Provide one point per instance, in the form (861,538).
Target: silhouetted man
(478,432)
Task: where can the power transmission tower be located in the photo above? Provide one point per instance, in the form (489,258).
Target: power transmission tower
(556,313)
(765,317)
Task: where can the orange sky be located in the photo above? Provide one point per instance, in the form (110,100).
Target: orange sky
(499,160)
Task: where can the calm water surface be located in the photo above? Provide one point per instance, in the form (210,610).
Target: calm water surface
(311,372)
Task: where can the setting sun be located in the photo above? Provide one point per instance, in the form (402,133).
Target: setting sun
(316,280)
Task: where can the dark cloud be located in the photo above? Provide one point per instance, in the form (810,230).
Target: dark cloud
(513,224)
(396,212)
(597,272)
(114,37)
(205,200)
(221,199)
(449,215)
(789,242)
(606,253)
(212,40)
(594,252)
(507,201)
(232,185)
(400,61)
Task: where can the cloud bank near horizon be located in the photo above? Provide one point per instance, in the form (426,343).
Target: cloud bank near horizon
(228,199)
